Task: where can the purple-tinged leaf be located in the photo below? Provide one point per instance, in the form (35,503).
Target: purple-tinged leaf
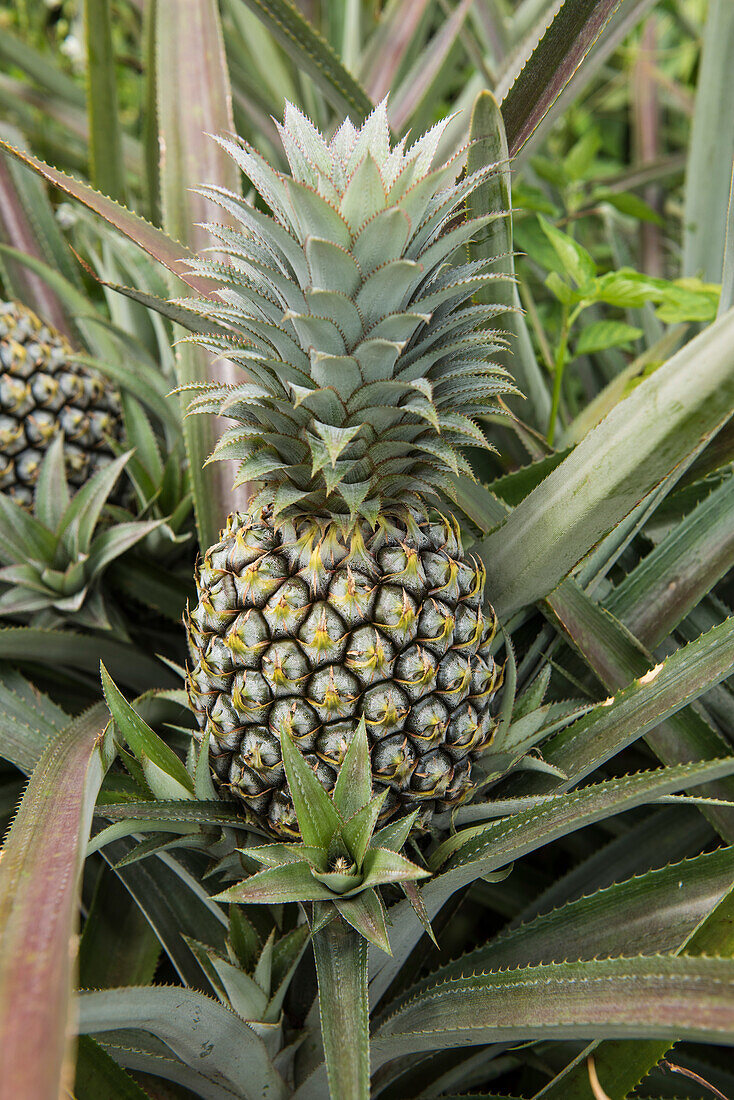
(40,875)
(172,254)
(568,38)
(190,57)
(640,998)
(293,882)
(418,83)
(16,230)
(387,46)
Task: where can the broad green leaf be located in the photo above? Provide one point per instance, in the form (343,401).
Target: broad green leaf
(201,1031)
(140,737)
(614,467)
(605,334)
(40,875)
(341,968)
(575,260)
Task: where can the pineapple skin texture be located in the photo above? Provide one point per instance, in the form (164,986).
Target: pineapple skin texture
(42,392)
(303,628)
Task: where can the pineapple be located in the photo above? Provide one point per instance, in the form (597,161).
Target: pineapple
(42,392)
(344,592)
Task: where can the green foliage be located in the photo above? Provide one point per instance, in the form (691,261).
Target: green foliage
(581,903)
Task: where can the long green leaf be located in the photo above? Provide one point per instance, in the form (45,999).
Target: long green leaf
(313,54)
(105,136)
(640,707)
(622,1065)
(499,842)
(488,145)
(614,467)
(637,998)
(670,580)
(617,657)
(710,149)
(646,915)
(63,648)
(39,895)
(341,968)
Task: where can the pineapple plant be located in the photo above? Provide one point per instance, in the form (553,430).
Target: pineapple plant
(43,393)
(234,921)
(344,592)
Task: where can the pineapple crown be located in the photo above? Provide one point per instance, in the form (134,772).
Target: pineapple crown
(366,360)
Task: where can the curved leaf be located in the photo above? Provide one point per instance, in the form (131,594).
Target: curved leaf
(40,875)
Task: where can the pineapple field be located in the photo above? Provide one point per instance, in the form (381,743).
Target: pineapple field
(366,549)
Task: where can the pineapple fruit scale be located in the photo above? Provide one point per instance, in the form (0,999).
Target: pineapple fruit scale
(43,392)
(344,592)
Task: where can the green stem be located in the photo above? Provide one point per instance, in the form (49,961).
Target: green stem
(567,321)
(341,968)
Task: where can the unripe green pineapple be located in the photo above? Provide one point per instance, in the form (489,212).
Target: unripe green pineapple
(344,592)
(42,393)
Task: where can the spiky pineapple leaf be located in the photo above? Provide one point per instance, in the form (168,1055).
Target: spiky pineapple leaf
(353,789)
(192,1025)
(40,876)
(172,254)
(567,39)
(144,742)
(318,818)
(276,885)
(498,842)
(612,470)
(642,997)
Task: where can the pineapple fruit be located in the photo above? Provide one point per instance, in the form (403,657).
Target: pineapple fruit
(344,592)
(41,393)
